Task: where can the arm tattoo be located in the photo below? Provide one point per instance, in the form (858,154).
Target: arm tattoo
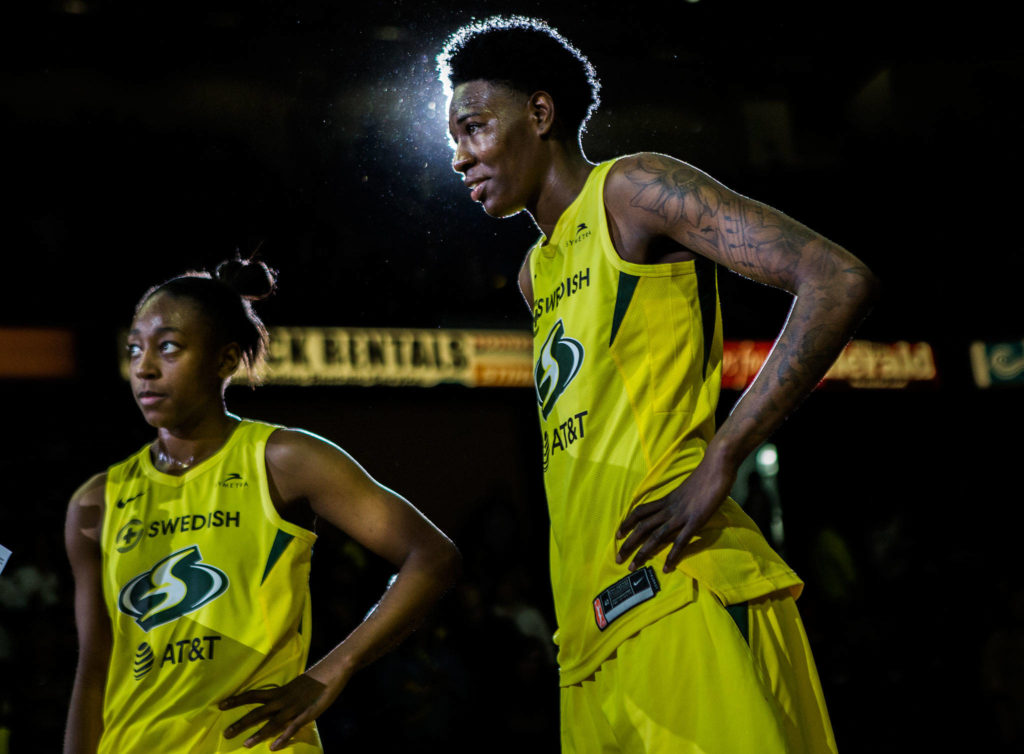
(752,238)
(756,240)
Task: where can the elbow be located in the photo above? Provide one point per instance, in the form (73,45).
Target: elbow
(865,290)
(448,564)
(439,561)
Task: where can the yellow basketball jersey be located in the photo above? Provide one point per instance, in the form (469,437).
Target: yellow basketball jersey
(628,362)
(207,588)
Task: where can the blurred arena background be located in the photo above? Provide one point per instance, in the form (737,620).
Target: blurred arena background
(142,139)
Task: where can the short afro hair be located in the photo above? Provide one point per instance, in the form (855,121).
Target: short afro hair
(526,55)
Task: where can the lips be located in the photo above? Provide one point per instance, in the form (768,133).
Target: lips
(476,189)
(149,397)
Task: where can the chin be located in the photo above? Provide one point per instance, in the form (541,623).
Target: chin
(156,422)
(496,210)
(154,417)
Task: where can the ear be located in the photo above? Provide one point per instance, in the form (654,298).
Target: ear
(230,359)
(542,112)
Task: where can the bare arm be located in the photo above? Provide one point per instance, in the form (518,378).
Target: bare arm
(661,206)
(303,467)
(81,539)
(526,282)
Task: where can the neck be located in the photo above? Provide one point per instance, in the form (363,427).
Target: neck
(567,171)
(178,449)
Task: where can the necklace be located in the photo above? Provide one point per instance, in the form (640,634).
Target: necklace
(169,463)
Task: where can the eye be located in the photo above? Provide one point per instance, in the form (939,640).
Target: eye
(472,128)
(133,350)
(169,346)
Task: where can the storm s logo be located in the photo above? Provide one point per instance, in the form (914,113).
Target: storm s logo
(176,586)
(559,362)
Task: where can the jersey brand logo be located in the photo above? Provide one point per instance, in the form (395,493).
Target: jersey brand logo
(234,479)
(582,234)
(122,502)
(177,585)
(558,364)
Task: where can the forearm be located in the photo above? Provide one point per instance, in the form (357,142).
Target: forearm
(821,322)
(81,535)
(421,581)
(85,712)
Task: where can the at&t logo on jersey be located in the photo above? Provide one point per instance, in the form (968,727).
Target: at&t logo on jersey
(558,364)
(143,660)
(177,585)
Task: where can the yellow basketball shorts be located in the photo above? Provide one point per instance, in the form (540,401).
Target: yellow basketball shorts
(694,682)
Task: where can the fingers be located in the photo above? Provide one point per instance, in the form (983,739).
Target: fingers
(276,719)
(636,515)
(272,708)
(640,535)
(654,527)
(255,716)
(291,730)
(676,553)
(284,710)
(258,696)
(658,541)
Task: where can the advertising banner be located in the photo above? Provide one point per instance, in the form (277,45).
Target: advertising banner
(862,364)
(504,358)
(998,364)
(393,356)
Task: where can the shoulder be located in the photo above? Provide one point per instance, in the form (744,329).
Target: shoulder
(651,195)
(298,460)
(526,279)
(91,492)
(641,178)
(287,446)
(85,511)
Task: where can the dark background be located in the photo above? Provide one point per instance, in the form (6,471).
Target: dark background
(141,139)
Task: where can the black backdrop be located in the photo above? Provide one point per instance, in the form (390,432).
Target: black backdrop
(142,140)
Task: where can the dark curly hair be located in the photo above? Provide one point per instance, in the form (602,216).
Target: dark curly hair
(526,55)
(224,297)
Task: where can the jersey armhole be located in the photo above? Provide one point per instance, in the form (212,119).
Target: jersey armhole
(611,254)
(269,509)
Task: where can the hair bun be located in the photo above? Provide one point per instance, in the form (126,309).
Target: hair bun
(252,280)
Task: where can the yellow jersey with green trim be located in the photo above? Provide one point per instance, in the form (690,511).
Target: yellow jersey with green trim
(207,589)
(628,362)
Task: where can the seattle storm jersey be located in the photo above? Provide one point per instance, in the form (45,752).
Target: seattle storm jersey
(207,588)
(628,362)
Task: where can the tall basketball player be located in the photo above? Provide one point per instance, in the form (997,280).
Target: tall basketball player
(677,624)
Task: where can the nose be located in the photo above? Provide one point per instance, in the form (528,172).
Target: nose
(462,159)
(146,365)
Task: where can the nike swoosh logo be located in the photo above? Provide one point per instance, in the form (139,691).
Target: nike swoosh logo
(124,501)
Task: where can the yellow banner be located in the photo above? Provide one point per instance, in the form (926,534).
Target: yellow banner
(394,356)
(504,358)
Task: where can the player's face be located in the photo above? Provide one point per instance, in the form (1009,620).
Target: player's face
(495,145)
(174,368)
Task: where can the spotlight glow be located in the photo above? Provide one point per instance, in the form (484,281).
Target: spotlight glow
(767,460)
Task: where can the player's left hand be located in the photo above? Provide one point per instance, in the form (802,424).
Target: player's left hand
(675,518)
(284,708)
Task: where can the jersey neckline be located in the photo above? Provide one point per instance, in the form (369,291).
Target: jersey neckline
(547,243)
(176,480)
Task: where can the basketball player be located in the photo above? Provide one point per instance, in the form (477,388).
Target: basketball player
(191,557)
(677,624)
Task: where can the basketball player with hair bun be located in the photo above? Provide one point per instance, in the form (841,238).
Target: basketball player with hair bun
(191,557)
